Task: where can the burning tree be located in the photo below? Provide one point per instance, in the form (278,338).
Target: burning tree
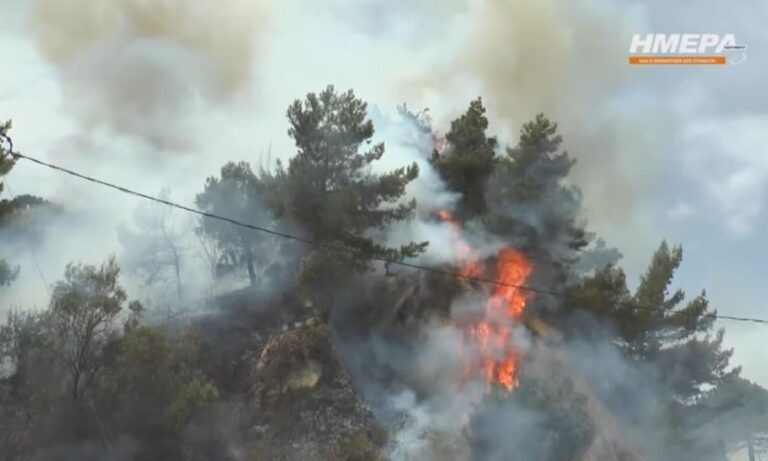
(535,213)
(541,398)
(523,202)
(498,360)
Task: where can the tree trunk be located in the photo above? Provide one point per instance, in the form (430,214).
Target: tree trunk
(177,269)
(76,386)
(249,265)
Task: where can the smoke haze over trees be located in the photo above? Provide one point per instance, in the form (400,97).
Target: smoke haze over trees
(247,345)
(606,372)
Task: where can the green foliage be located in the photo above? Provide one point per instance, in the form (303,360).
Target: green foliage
(192,397)
(603,293)
(145,389)
(330,192)
(536,152)
(29,381)
(12,210)
(469,160)
(22,336)
(148,383)
(657,328)
(653,327)
(154,370)
(54,357)
(82,312)
(238,194)
(529,199)
(146,351)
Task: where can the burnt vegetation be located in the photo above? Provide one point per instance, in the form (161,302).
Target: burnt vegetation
(299,356)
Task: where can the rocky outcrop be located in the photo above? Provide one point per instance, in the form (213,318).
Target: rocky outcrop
(305,404)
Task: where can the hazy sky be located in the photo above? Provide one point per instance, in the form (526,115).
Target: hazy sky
(152,94)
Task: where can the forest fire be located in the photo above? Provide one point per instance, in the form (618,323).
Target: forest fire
(492,334)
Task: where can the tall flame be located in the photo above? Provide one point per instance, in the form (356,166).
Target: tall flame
(498,359)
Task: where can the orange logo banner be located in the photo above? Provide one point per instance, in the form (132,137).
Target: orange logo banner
(674,60)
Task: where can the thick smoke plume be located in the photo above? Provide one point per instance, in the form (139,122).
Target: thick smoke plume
(137,65)
(522,52)
(567,60)
(142,67)
(170,73)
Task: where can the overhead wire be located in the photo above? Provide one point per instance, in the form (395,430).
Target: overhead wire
(311,242)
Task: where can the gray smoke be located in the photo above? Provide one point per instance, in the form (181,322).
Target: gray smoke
(137,66)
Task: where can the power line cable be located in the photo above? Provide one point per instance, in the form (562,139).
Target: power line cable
(277,233)
(33,251)
(311,242)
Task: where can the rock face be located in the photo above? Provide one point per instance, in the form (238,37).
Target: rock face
(306,406)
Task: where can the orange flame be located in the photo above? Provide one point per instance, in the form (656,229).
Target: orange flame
(499,361)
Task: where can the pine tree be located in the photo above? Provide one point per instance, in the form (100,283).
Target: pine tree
(736,411)
(330,192)
(530,200)
(658,332)
(654,328)
(469,161)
